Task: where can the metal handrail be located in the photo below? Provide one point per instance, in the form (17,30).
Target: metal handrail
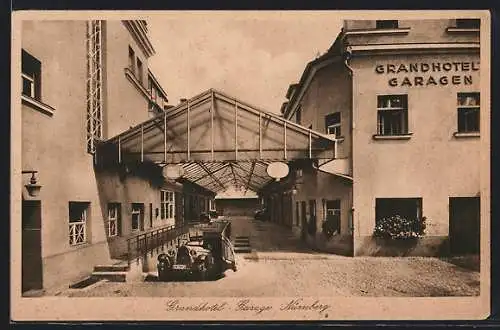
(140,245)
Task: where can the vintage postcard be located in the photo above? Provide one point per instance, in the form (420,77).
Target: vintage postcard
(247,165)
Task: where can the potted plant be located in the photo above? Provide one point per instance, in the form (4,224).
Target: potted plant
(399,232)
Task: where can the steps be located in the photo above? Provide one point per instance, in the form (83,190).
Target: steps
(114,273)
(242,244)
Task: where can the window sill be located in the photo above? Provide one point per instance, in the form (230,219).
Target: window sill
(467,135)
(392,137)
(137,84)
(378,32)
(37,105)
(80,245)
(461,30)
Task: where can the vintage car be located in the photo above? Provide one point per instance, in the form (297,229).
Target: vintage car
(261,214)
(204,257)
(208,217)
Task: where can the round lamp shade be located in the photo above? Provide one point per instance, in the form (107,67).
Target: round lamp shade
(173,171)
(277,170)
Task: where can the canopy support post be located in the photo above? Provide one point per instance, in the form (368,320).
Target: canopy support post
(165,138)
(188,132)
(284,142)
(335,149)
(260,135)
(310,145)
(142,143)
(212,109)
(119,149)
(235,130)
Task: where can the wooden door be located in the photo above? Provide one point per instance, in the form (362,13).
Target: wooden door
(32,275)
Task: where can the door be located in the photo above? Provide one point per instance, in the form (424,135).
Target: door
(303,218)
(150,215)
(312,217)
(464,225)
(32,278)
(137,216)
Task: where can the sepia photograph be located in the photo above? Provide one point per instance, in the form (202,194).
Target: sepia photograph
(293,165)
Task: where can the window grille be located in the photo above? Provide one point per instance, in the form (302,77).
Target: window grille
(77,223)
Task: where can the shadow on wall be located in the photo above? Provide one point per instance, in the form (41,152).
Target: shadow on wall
(337,244)
(114,185)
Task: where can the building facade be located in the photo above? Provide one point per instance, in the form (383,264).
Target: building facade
(84,82)
(402,98)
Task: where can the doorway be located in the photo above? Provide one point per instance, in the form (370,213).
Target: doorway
(312,217)
(303,218)
(32,278)
(464,225)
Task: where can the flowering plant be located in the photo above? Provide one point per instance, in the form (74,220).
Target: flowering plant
(397,227)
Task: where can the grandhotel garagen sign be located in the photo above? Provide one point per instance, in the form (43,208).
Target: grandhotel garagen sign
(428,74)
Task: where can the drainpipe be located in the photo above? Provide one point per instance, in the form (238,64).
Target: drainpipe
(347,55)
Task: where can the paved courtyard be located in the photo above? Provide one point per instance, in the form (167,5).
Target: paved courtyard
(280,265)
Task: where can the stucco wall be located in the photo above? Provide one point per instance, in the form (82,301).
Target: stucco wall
(55,146)
(125,105)
(329,92)
(432,164)
(421,31)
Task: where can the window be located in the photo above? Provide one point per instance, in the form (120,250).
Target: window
(468,23)
(332,214)
(114,210)
(298,173)
(167,204)
(392,115)
(137,214)
(139,70)
(78,223)
(131,59)
(407,208)
(332,123)
(297,213)
(468,112)
(298,116)
(386,24)
(31,75)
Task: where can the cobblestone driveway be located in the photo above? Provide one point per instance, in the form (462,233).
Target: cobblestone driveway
(281,266)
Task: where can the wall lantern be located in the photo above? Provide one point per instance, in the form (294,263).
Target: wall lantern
(173,171)
(277,170)
(294,190)
(32,187)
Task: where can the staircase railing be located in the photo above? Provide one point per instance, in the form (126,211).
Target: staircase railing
(140,245)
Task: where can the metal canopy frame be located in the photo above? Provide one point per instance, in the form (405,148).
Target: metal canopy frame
(218,140)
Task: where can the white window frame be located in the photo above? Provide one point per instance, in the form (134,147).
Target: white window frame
(334,129)
(31,71)
(140,70)
(388,107)
(167,205)
(31,82)
(113,219)
(131,59)
(476,106)
(78,229)
(136,210)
